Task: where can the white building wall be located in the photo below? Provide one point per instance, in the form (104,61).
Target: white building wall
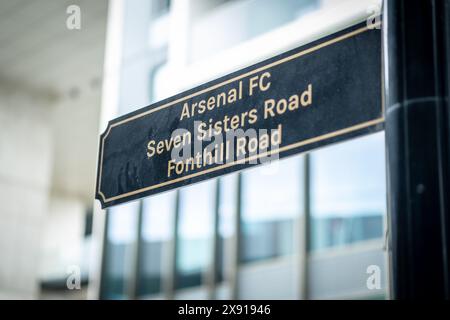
(25,175)
(50,79)
(61,246)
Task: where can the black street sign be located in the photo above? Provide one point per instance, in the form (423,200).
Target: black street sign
(323,92)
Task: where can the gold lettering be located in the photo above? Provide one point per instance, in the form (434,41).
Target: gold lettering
(306,98)
(293,102)
(234,123)
(252,116)
(185,111)
(264,142)
(281,106)
(201,131)
(262,86)
(211,103)
(177,141)
(268,108)
(232,95)
(240,146)
(201,106)
(160,147)
(276,136)
(221,97)
(151,148)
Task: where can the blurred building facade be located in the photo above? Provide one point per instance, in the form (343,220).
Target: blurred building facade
(302,228)
(50,93)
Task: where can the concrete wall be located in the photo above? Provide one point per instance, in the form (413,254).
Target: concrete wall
(50,92)
(41,230)
(61,247)
(25,175)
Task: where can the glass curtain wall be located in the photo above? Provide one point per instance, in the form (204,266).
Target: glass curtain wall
(348,192)
(272,203)
(142,258)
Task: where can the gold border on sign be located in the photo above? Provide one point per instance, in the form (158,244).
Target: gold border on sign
(240,161)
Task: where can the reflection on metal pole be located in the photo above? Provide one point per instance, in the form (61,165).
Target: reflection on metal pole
(171,270)
(212,274)
(237,240)
(305,227)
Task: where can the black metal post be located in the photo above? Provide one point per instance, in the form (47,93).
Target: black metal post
(416,56)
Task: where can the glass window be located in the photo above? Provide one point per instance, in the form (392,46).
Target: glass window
(157,229)
(249,19)
(159,89)
(195,232)
(348,192)
(160,7)
(119,258)
(271,202)
(347,179)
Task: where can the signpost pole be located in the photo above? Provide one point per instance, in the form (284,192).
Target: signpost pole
(416,69)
